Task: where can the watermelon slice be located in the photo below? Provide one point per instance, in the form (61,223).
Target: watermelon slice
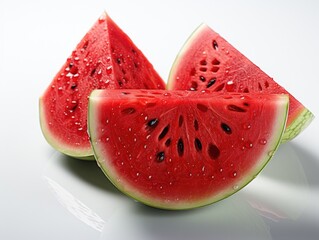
(208,61)
(183,149)
(105,58)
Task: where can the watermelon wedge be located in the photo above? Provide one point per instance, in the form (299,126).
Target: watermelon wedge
(106,58)
(183,149)
(208,61)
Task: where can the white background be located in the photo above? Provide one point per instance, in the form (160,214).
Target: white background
(45,195)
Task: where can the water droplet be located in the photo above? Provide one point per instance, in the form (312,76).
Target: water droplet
(130,129)
(235,174)
(148,136)
(263,141)
(203,168)
(235,187)
(53,86)
(80,129)
(137,174)
(135,139)
(248,144)
(145,146)
(246,126)
(60,88)
(107,139)
(230,86)
(220,170)
(109,70)
(150,177)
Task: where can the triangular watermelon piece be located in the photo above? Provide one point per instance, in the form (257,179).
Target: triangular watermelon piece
(208,61)
(106,58)
(183,149)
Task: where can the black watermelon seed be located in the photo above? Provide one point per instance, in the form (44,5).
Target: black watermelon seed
(160,157)
(226,128)
(163,133)
(180,147)
(213,151)
(152,123)
(215,45)
(203,79)
(211,82)
(198,144)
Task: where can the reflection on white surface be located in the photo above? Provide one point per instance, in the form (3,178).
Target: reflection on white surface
(280,194)
(75,206)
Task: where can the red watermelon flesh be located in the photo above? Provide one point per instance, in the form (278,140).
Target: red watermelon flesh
(183,149)
(106,58)
(208,61)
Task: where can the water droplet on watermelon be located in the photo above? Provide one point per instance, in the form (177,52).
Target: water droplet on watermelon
(53,86)
(150,177)
(230,86)
(107,139)
(80,129)
(137,174)
(235,187)
(248,144)
(109,70)
(60,88)
(135,139)
(246,126)
(145,146)
(263,141)
(234,174)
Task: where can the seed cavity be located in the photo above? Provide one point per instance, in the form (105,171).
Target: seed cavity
(163,133)
(196,125)
(152,123)
(260,87)
(194,86)
(232,107)
(160,157)
(226,128)
(215,62)
(203,69)
(215,45)
(128,111)
(266,84)
(180,120)
(203,62)
(214,69)
(213,151)
(202,107)
(211,82)
(198,145)
(220,87)
(180,147)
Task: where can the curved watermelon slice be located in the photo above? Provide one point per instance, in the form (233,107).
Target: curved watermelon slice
(208,61)
(183,149)
(105,58)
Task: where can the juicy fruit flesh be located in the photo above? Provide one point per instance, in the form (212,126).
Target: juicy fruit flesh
(179,149)
(219,67)
(105,58)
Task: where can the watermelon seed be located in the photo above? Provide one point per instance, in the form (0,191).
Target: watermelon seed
(180,147)
(202,107)
(180,120)
(232,107)
(129,110)
(152,123)
(213,151)
(160,157)
(203,79)
(198,145)
(168,142)
(226,128)
(196,125)
(246,90)
(92,72)
(73,86)
(163,133)
(203,69)
(118,60)
(215,45)
(211,82)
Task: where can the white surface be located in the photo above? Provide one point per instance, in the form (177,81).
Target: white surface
(45,195)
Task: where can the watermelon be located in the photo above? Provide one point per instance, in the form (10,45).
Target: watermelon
(183,149)
(106,58)
(208,61)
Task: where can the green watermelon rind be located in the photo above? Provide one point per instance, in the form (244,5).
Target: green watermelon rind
(298,125)
(278,132)
(84,154)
